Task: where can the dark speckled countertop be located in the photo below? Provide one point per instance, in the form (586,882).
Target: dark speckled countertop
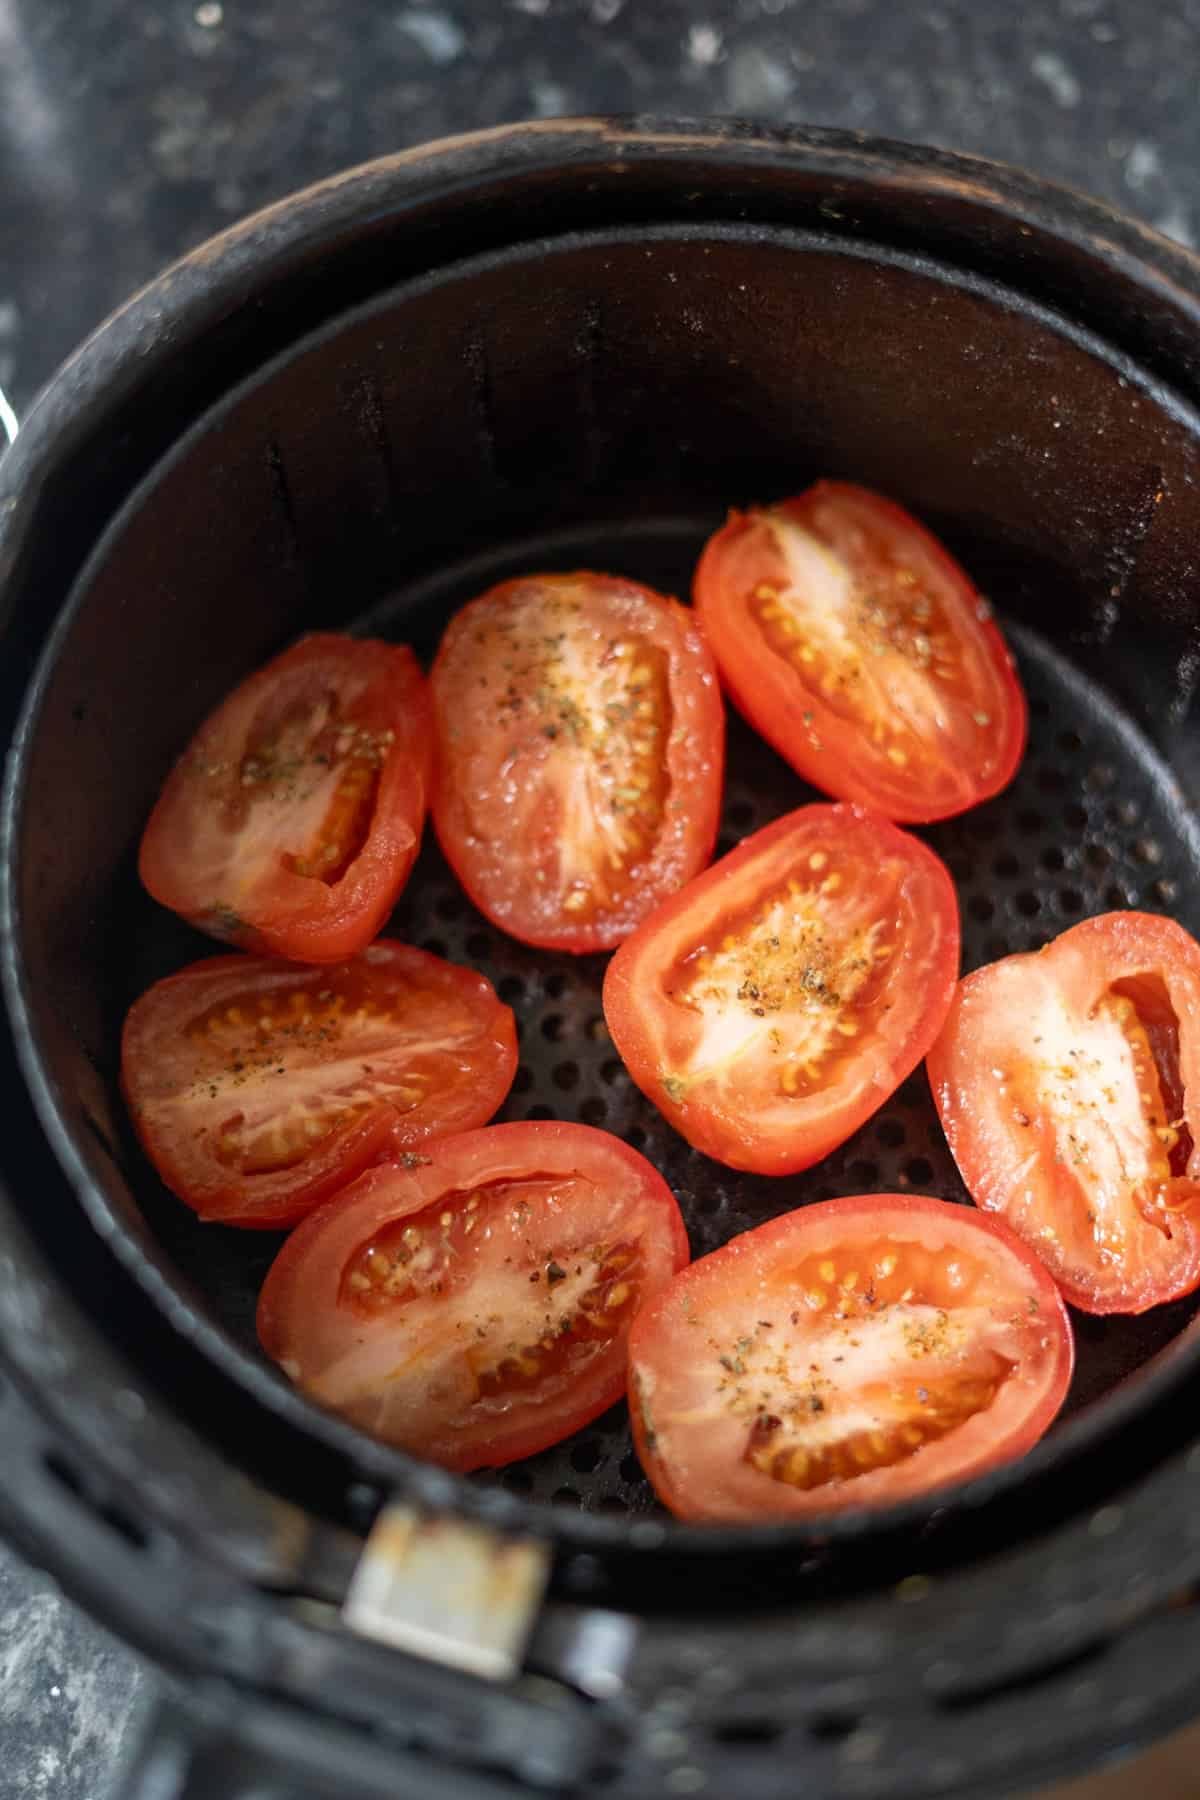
(129,132)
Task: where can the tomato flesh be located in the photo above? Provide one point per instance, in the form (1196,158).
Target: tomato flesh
(857,1352)
(581,743)
(1066,1080)
(858,647)
(778,1001)
(475,1306)
(258,1087)
(292,820)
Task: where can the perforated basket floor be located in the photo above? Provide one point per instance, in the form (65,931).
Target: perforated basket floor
(1093,822)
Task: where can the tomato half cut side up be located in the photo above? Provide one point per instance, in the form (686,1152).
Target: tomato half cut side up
(778,1001)
(859,648)
(290,823)
(258,1087)
(476,1308)
(1068,1083)
(858,1352)
(580,750)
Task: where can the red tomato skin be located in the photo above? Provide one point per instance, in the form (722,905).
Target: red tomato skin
(292,1290)
(219,1195)
(697,757)
(689,1505)
(297,917)
(630,974)
(1125,939)
(771,698)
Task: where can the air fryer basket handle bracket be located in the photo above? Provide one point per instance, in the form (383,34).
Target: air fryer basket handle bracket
(211,1746)
(449,1589)
(457,1711)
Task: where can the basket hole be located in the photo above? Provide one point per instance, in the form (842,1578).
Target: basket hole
(636,1136)
(1028,904)
(479,946)
(1097,856)
(566,1496)
(862,1172)
(982,825)
(1006,866)
(919,1171)
(517,1481)
(1148,850)
(64,1473)
(891,1133)
(364,1503)
(832,1727)
(134,1533)
(449,906)
(631,1468)
(1053,860)
(613,1073)
(981,908)
(1117,897)
(1070,901)
(725,844)
(556,985)
(1029,823)
(552,1027)
(114,1516)
(597,1030)
(566,1076)
(434,946)
(511,990)
(540,1112)
(741,815)
(1050,780)
(1165,891)
(1124,812)
(749,1733)
(523,1079)
(593,1111)
(1070,741)
(587,1456)
(1075,816)
(1101,775)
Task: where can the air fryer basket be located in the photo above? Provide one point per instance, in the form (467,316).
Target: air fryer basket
(554,347)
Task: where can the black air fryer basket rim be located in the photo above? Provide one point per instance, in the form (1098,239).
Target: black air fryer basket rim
(380,1462)
(185,300)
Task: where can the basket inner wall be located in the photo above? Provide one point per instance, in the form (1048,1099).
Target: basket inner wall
(600,403)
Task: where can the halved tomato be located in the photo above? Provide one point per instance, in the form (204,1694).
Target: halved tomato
(291,821)
(855,1353)
(861,651)
(259,1087)
(1068,1083)
(476,1307)
(580,744)
(776,1002)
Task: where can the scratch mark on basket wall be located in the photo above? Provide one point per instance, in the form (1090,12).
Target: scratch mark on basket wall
(371,420)
(587,351)
(1187,676)
(479,365)
(281,489)
(1125,556)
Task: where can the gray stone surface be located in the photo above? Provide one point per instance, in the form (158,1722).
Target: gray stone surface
(67,1693)
(129,133)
